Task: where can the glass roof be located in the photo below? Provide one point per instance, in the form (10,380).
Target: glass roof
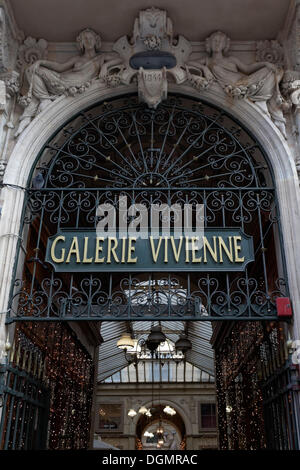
(201,357)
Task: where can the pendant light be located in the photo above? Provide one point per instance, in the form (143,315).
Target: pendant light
(156,335)
(143,410)
(183,344)
(132,413)
(126,342)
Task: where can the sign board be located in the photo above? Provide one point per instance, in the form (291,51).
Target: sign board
(224,249)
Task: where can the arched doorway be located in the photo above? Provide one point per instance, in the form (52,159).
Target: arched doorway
(185,152)
(172,431)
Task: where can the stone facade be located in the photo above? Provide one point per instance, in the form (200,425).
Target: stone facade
(43,84)
(185,399)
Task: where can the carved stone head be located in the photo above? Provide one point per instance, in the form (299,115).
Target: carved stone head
(88,39)
(217,42)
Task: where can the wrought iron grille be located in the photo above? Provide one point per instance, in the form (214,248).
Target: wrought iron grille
(184,152)
(26,399)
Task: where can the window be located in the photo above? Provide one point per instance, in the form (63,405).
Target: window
(110,417)
(208,416)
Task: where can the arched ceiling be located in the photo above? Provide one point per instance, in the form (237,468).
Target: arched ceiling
(61,20)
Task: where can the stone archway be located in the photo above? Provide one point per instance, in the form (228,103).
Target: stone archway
(14,185)
(19,168)
(174,430)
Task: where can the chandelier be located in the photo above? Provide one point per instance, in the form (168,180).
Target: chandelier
(137,349)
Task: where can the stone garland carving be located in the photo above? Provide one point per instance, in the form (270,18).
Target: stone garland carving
(153,37)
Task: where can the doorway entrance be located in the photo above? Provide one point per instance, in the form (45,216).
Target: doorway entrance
(186,153)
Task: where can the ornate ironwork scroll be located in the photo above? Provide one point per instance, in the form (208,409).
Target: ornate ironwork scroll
(184,152)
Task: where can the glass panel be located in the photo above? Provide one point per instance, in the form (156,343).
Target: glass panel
(208,415)
(110,417)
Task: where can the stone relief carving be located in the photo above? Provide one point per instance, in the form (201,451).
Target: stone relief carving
(258,82)
(9,87)
(3,164)
(32,50)
(290,87)
(12,83)
(151,57)
(48,80)
(269,51)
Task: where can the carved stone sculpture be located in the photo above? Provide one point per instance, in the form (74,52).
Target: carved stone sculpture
(150,58)
(32,50)
(47,80)
(3,164)
(153,31)
(270,51)
(290,87)
(258,82)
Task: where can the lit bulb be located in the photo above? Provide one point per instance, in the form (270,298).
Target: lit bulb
(143,410)
(132,413)
(169,410)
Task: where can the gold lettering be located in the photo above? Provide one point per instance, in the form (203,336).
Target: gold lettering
(176,252)
(53,256)
(85,250)
(222,246)
(213,252)
(194,249)
(166,249)
(155,253)
(98,250)
(131,249)
(187,250)
(123,260)
(74,250)
(111,250)
(237,249)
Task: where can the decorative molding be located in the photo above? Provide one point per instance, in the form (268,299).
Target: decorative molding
(270,51)
(3,164)
(2,96)
(12,82)
(10,36)
(153,31)
(290,87)
(152,58)
(32,50)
